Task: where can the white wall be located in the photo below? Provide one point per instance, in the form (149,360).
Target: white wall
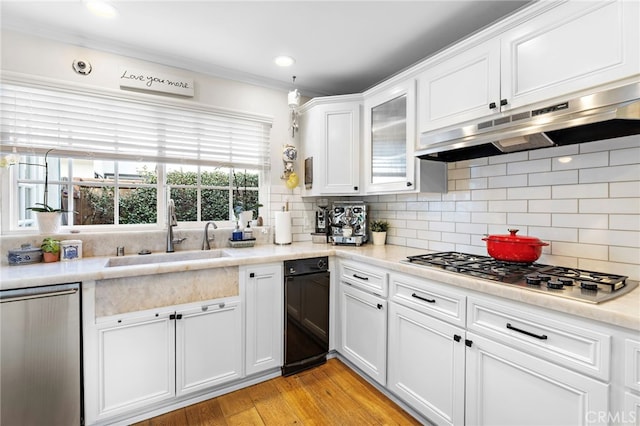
(45,58)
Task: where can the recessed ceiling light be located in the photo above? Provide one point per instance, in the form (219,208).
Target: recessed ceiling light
(284,61)
(101,8)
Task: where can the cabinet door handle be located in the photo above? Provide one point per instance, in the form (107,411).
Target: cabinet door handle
(503,102)
(457,337)
(179,316)
(360,278)
(528,333)
(468,342)
(379,306)
(423,299)
(252,275)
(409,184)
(492,105)
(355,188)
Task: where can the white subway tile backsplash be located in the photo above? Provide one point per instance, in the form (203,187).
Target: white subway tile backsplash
(610,174)
(596,159)
(441,246)
(407,215)
(625,156)
(624,254)
(472,206)
(555,234)
(489,194)
(529,219)
(508,206)
(444,206)
(590,221)
(588,251)
(429,215)
(632,270)
(509,158)
(553,178)
(478,183)
(553,206)
(457,196)
(430,235)
(452,237)
(486,171)
(609,237)
(429,196)
(456,174)
(529,193)
(442,226)
(471,228)
(628,222)
(405,232)
(471,163)
(624,189)
(508,181)
(589,190)
(610,144)
(418,206)
(610,205)
(558,151)
(532,166)
(489,218)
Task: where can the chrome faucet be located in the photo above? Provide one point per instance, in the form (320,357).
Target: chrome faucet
(171,222)
(205,237)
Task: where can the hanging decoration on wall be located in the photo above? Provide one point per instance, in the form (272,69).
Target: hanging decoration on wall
(155,82)
(294,102)
(289,156)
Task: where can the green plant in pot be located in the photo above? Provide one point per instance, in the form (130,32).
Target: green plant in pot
(50,249)
(379,230)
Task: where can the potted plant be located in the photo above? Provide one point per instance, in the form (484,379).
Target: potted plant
(379,230)
(245,201)
(48,217)
(50,249)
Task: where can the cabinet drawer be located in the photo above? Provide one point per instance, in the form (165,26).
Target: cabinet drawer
(559,339)
(366,277)
(429,297)
(632,364)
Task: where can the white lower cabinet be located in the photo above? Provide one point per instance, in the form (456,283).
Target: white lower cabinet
(427,364)
(151,356)
(363,331)
(264,301)
(208,346)
(510,387)
(136,362)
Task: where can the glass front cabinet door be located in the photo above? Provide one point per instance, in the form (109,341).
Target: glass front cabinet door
(390,126)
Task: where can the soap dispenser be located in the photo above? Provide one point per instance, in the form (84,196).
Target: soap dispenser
(248,232)
(236,235)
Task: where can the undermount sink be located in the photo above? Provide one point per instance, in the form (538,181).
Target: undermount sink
(165,257)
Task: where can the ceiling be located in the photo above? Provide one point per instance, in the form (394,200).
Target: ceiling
(340,47)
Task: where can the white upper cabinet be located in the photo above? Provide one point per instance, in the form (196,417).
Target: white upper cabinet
(389,135)
(330,135)
(465,87)
(560,50)
(572,47)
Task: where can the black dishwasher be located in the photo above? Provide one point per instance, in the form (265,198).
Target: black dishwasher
(306,325)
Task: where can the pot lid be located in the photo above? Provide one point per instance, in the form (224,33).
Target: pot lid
(513,238)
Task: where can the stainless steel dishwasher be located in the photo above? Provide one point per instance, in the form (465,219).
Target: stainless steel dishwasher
(306,297)
(40,356)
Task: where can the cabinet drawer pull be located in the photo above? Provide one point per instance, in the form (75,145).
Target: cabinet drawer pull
(379,306)
(360,278)
(423,299)
(503,102)
(528,333)
(492,105)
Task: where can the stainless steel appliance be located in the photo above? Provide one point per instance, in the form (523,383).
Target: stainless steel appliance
(306,300)
(602,115)
(571,283)
(40,356)
(348,223)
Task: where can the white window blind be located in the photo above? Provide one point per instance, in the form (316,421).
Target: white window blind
(37,118)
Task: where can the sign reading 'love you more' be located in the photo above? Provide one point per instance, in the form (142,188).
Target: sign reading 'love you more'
(155,82)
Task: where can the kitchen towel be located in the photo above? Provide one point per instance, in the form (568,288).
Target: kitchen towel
(283,228)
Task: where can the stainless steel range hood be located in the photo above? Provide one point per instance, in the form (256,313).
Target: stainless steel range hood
(603,115)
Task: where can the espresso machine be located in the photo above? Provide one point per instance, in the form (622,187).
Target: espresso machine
(348,223)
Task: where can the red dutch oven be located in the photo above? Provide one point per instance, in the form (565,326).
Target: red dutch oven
(514,248)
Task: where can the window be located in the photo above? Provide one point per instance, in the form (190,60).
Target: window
(114,160)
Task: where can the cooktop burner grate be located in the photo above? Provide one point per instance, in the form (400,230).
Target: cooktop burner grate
(567,282)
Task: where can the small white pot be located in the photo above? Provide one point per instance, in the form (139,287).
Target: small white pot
(379,238)
(48,222)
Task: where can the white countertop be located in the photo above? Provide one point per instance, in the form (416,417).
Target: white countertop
(623,311)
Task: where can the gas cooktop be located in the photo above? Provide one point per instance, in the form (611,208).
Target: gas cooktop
(571,283)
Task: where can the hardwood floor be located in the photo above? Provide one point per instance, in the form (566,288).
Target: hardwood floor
(331,394)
